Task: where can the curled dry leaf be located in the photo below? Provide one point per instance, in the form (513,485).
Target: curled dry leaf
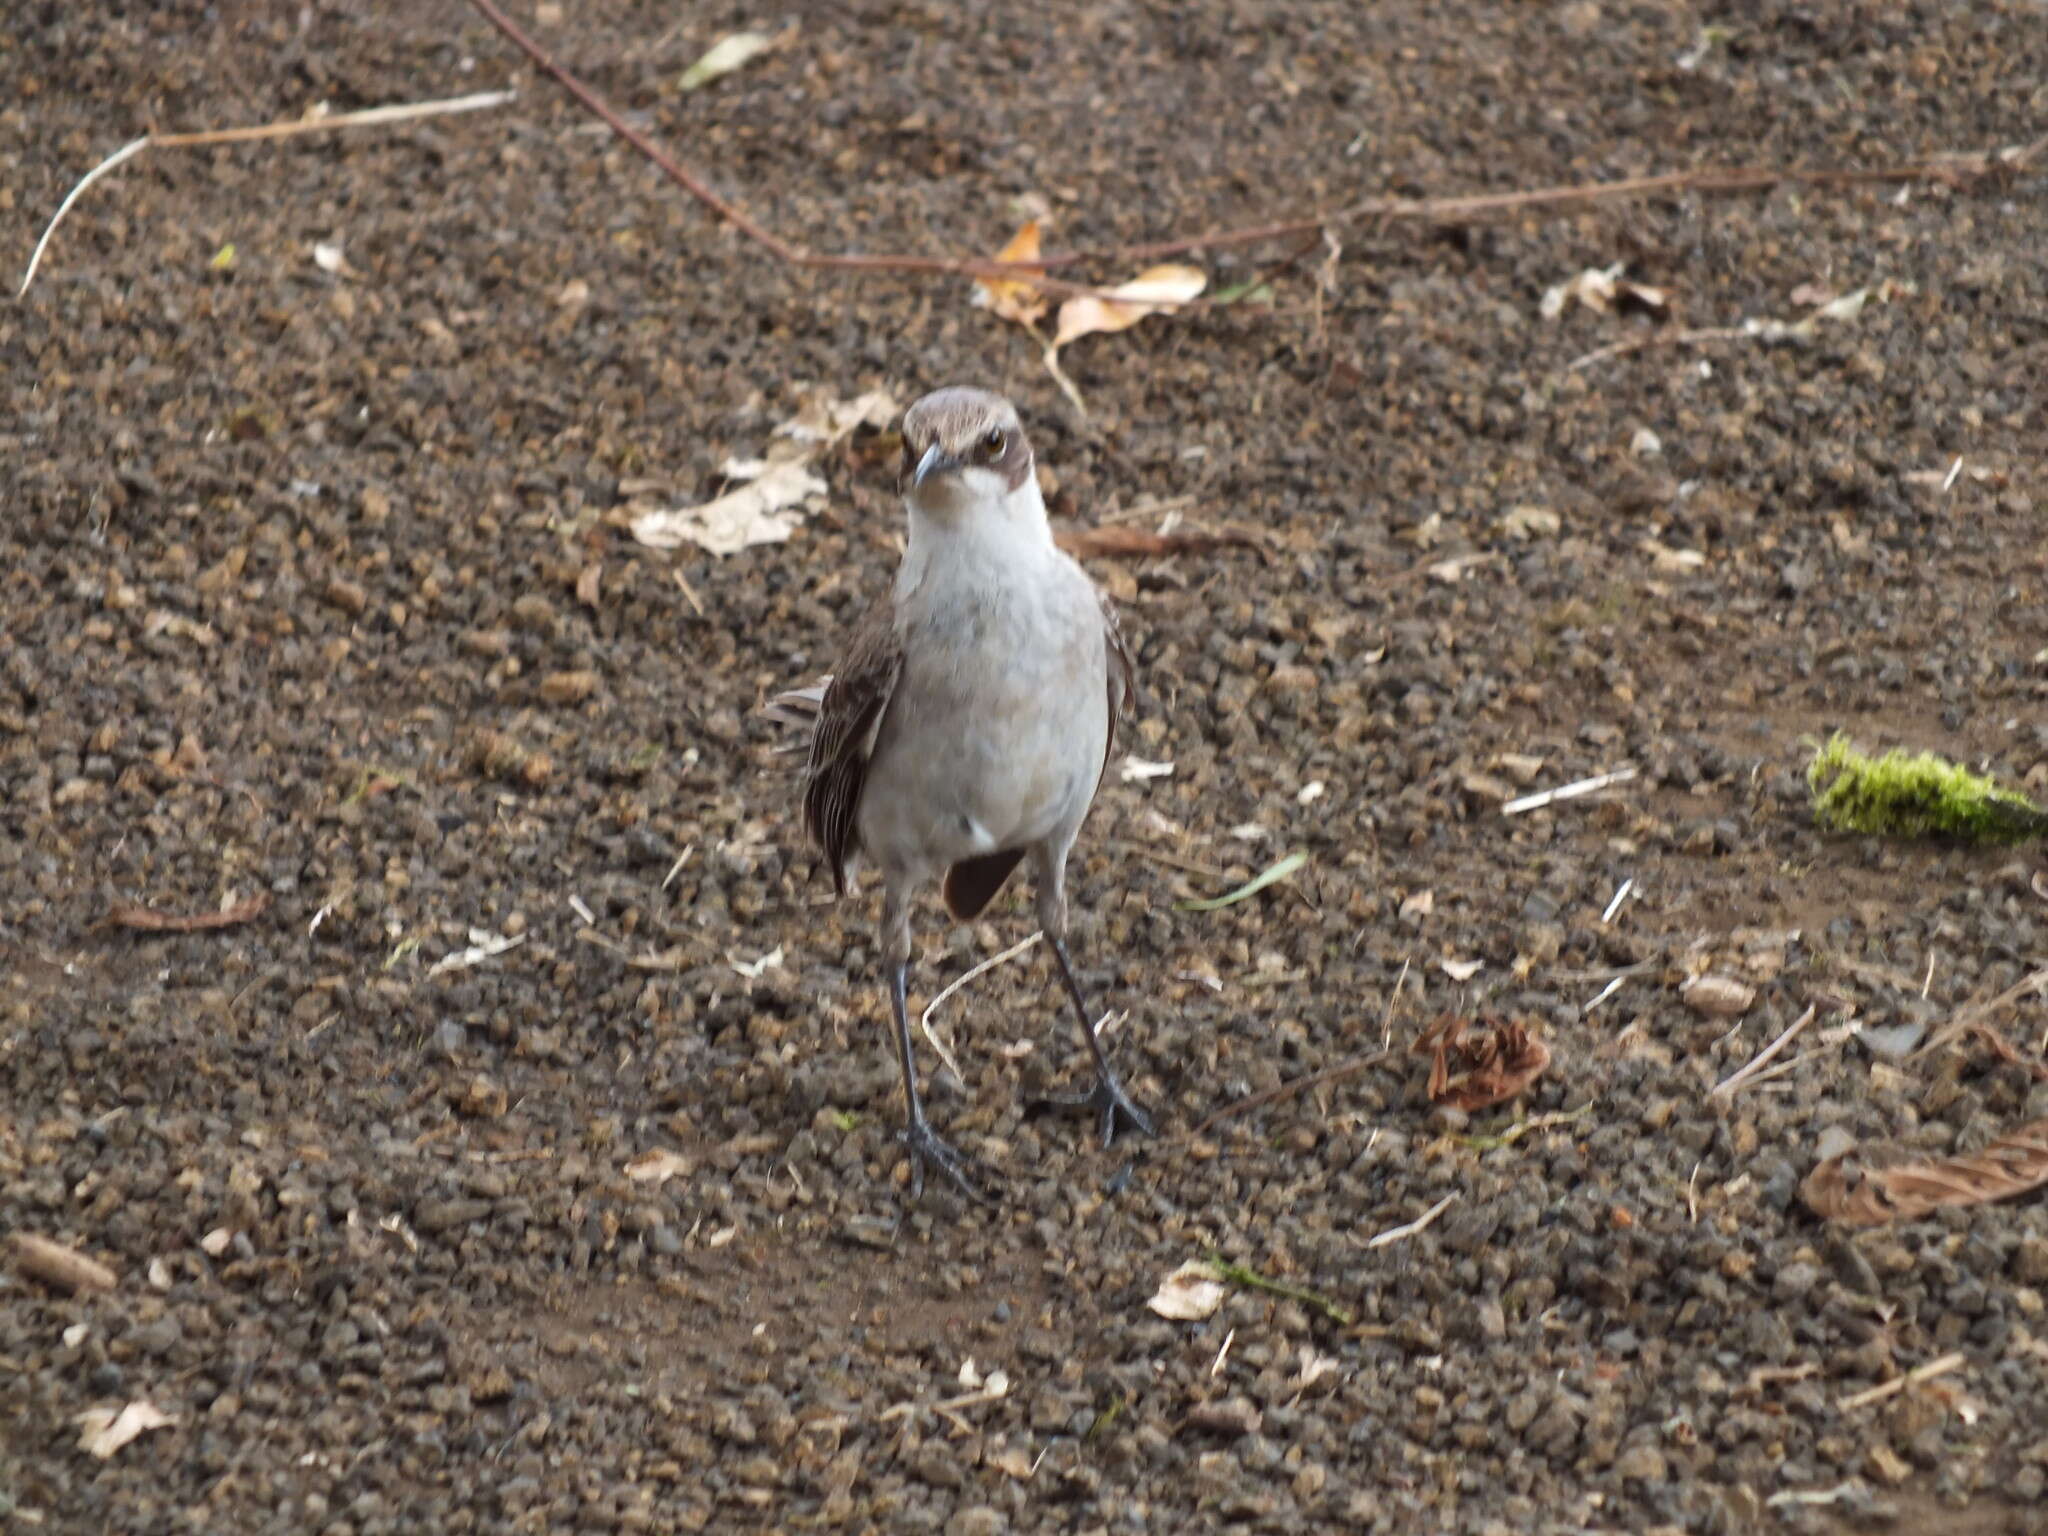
(1718,996)
(1190,1294)
(104,1430)
(1489,1068)
(1009,298)
(1151,292)
(1857,1193)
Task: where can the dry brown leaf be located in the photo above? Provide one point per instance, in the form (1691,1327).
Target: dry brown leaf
(1154,290)
(149,921)
(1488,1069)
(1121,542)
(104,1430)
(758,512)
(1846,1189)
(1010,298)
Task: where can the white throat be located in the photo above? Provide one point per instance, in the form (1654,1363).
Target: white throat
(972,530)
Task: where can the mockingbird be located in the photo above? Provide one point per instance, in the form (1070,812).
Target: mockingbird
(971,719)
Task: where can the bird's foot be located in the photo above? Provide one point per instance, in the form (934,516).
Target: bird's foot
(928,1151)
(1114,1107)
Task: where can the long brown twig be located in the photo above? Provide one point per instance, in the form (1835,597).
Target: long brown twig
(1953,169)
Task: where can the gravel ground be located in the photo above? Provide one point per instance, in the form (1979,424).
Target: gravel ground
(297,607)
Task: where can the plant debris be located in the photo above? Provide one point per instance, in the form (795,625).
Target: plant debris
(1010,298)
(55,1264)
(1489,1068)
(1906,794)
(733,51)
(1191,1294)
(103,1430)
(1848,1189)
(768,500)
(1252,1280)
(1271,874)
(146,920)
(1603,289)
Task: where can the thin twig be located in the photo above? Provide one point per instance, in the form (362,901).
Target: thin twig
(1541,798)
(1971,1017)
(1395,1234)
(398,113)
(1953,169)
(1728,1086)
(925,1020)
(1898,1384)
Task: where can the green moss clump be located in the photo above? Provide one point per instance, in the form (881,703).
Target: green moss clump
(1915,795)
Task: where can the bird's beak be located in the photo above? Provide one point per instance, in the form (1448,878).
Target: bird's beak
(936,461)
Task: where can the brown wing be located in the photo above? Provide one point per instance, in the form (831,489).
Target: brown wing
(848,717)
(1123,677)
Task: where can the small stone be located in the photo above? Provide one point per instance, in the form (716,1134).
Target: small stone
(1794,1281)
(1645,1463)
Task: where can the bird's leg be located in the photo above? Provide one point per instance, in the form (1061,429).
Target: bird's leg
(926,1149)
(1107,1098)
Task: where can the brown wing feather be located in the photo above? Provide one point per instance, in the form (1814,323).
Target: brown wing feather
(848,717)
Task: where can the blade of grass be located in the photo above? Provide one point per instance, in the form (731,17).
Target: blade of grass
(1251,1279)
(1270,875)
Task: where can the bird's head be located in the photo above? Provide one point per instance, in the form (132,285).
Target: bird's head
(964,451)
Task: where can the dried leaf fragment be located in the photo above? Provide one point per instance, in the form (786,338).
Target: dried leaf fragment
(1010,298)
(104,1430)
(1489,1068)
(1856,1193)
(1190,1294)
(1153,291)
(758,512)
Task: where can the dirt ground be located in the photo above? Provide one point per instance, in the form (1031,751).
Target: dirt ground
(297,607)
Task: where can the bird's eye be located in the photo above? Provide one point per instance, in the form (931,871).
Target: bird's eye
(993,442)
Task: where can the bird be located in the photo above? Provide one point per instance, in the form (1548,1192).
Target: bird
(969,722)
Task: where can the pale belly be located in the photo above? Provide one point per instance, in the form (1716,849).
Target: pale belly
(995,740)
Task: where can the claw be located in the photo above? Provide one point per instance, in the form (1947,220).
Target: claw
(927,1150)
(1114,1107)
